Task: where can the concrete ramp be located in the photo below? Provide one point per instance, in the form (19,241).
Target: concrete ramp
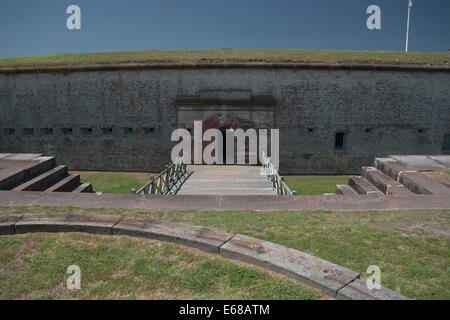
(226,180)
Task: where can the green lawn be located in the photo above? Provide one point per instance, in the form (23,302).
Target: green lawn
(230,56)
(309,185)
(412,248)
(33,266)
(114,182)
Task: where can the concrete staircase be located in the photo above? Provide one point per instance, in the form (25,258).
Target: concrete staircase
(392,177)
(226,180)
(35,172)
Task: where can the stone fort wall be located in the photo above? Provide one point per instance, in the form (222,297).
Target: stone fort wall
(122,119)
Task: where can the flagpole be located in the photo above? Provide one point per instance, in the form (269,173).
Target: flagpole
(407,26)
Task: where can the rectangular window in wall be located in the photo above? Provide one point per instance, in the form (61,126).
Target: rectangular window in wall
(149,131)
(127,131)
(46,131)
(86,131)
(423,132)
(446,144)
(28,131)
(67,131)
(312,132)
(369,132)
(341,142)
(107,131)
(9,131)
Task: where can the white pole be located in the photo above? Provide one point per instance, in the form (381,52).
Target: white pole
(407,26)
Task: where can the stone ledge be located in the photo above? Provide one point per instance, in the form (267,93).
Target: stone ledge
(97,224)
(7,224)
(203,238)
(357,290)
(314,271)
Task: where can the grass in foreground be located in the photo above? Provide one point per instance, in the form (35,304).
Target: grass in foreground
(412,248)
(33,266)
(310,185)
(230,56)
(114,182)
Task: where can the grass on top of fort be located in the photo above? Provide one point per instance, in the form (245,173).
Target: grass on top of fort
(410,247)
(231,56)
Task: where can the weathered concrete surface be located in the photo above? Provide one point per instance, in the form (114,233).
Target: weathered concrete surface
(385,183)
(424,163)
(357,290)
(319,273)
(7,224)
(256,203)
(362,186)
(203,238)
(420,183)
(14,172)
(345,189)
(392,167)
(226,181)
(394,103)
(33,172)
(98,224)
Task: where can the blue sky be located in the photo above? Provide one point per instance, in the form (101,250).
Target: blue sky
(34,27)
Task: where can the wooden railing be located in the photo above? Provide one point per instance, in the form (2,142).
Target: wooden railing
(277,181)
(167,182)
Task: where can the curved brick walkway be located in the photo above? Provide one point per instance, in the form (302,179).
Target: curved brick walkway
(330,278)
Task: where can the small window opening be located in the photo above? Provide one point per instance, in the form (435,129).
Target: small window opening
(107,131)
(127,131)
(28,131)
(67,131)
(9,131)
(86,131)
(46,131)
(340,142)
(149,131)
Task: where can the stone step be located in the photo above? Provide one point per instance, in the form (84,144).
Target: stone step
(422,184)
(44,181)
(362,186)
(22,171)
(392,167)
(384,183)
(421,162)
(23,156)
(67,184)
(345,189)
(84,188)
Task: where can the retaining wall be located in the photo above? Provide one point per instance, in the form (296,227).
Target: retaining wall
(69,113)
